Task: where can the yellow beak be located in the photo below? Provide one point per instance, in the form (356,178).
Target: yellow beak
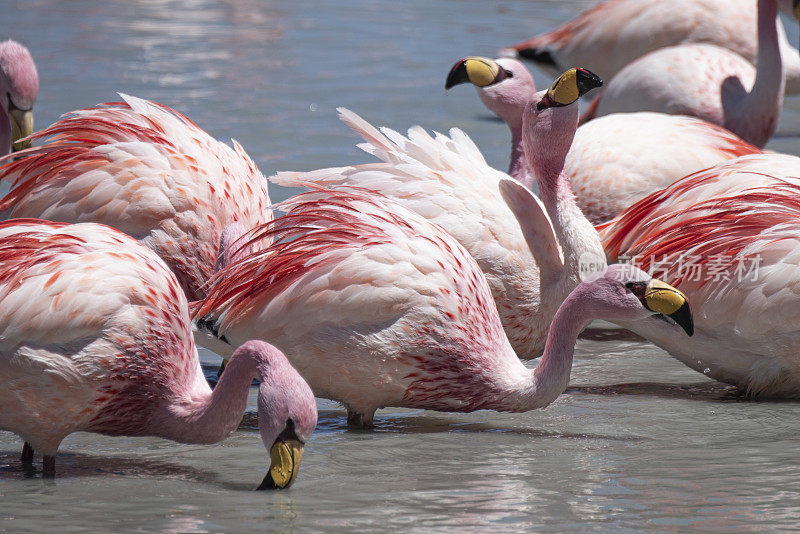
(479,71)
(286,457)
(21,127)
(665,299)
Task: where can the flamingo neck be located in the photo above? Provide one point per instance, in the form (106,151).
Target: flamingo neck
(230,245)
(576,235)
(756,115)
(550,378)
(205,416)
(518,167)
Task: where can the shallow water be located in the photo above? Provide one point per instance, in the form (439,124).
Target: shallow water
(638,441)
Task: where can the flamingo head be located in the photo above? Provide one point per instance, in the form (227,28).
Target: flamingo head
(504,85)
(287,413)
(551,119)
(19,86)
(626,293)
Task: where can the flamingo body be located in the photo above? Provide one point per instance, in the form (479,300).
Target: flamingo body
(95,336)
(146,170)
(377,306)
(738,214)
(616,160)
(447,181)
(612,34)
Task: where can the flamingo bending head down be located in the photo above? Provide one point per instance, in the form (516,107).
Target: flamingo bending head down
(376,306)
(19,86)
(95,337)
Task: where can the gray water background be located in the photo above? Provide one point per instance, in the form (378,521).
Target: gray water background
(638,442)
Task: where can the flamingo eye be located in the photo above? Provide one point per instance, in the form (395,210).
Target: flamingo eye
(637,288)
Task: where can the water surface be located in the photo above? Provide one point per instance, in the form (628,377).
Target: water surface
(638,441)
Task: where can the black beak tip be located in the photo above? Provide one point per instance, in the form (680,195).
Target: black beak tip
(588,80)
(683,316)
(268,483)
(457,75)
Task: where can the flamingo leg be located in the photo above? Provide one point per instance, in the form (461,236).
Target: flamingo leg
(48,467)
(27,454)
(359,420)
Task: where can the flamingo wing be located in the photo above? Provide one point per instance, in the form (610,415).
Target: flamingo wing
(619,159)
(373,304)
(446,180)
(728,238)
(146,170)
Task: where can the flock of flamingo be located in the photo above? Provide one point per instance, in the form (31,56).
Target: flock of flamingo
(421,279)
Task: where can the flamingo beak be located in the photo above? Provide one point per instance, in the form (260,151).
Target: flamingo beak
(21,126)
(479,71)
(286,457)
(569,87)
(664,299)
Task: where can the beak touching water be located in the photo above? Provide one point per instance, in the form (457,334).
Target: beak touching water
(664,299)
(286,457)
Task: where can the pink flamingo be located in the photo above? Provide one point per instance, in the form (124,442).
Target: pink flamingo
(376,306)
(729,237)
(19,86)
(614,160)
(706,81)
(146,170)
(447,181)
(613,33)
(96,338)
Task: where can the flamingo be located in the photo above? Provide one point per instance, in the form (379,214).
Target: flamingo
(706,81)
(729,237)
(376,306)
(614,160)
(19,86)
(146,170)
(446,180)
(613,33)
(96,337)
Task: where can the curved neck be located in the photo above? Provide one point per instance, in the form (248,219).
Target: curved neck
(547,143)
(205,416)
(763,101)
(542,385)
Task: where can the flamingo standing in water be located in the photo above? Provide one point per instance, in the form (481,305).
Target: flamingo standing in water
(729,237)
(146,170)
(19,86)
(95,336)
(376,306)
(706,81)
(446,180)
(613,33)
(614,160)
